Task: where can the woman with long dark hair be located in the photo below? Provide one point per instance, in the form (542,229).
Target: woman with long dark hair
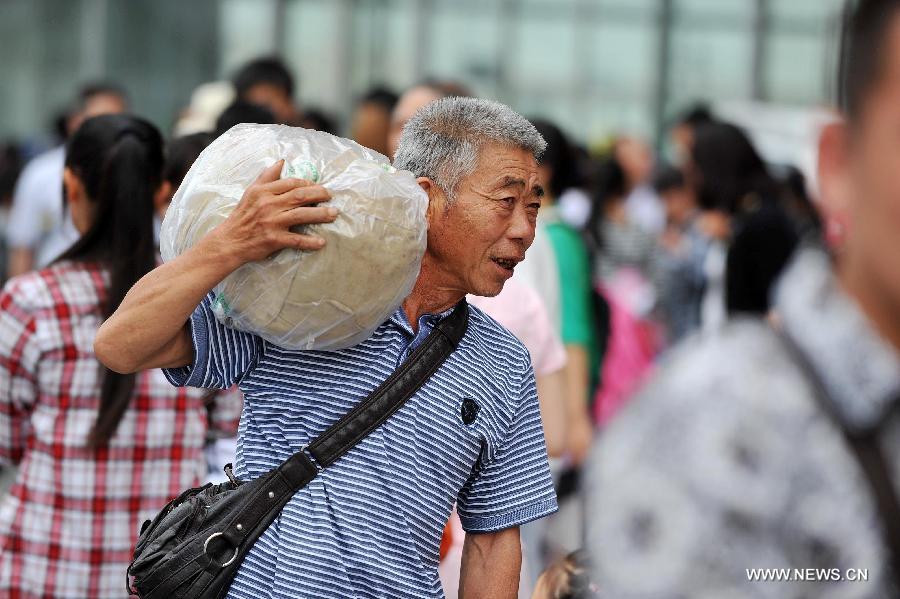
(730,177)
(98,452)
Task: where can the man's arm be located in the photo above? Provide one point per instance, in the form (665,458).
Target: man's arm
(490,565)
(150,327)
(579,430)
(551,390)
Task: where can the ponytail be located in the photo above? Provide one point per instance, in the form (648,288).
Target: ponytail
(119,160)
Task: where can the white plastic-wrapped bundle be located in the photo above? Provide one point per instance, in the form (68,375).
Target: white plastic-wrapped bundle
(325,299)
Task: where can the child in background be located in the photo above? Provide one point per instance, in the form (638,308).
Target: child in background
(684,245)
(568,578)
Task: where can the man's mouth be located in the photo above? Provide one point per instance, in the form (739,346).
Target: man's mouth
(506,263)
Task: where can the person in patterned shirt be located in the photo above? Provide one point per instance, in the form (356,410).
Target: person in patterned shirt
(733,473)
(98,452)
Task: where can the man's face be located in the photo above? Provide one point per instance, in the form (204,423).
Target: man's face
(477,239)
(682,138)
(97,105)
(872,175)
(371,125)
(636,159)
(275,99)
(679,204)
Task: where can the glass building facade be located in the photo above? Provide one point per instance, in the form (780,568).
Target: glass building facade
(595,66)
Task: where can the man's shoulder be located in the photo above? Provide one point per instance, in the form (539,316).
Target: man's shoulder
(711,396)
(41,168)
(741,368)
(494,342)
(726,442)
(58,284)
(737,352)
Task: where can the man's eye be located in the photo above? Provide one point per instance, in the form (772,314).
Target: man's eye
(534,206)
(508,202)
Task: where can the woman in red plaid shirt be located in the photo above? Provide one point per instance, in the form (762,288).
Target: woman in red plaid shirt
(98,452)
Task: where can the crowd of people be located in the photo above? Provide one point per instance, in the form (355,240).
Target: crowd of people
(663,306)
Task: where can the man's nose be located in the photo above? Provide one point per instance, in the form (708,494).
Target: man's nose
(521,227)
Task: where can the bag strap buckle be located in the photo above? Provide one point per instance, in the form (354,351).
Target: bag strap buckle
(206,544)
(312,459)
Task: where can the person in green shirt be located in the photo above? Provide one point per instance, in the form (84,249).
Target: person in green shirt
(558,170)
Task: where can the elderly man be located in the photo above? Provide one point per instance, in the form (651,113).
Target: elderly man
(370,526)
(764,461)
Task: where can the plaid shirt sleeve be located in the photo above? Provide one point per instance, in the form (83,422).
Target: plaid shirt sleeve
(19,355)
(222,355)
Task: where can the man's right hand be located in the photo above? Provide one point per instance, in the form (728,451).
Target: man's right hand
(149,329)
(261,223)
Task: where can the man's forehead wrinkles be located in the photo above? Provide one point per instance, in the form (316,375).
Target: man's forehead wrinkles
(510,181)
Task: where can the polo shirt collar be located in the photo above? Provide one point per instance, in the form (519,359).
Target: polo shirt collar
(426,321)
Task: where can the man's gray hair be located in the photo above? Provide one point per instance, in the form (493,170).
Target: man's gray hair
(443,140)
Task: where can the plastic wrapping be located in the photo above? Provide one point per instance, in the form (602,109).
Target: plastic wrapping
(331,298)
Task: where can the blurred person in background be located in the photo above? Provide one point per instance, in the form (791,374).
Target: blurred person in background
(626,271)
(371,121)
(574,202)
(11,164)
(798,203)
(208,102)
(241,111)
(268,82)
(180,156)
(317,120)
(567,578)
(558,173)
(730,177)
(618,243)
(642,205)
(714,223)
(98,452)
(681,264)
(416,97)
(410,101)
(39,229)
(681,135)
(776,445)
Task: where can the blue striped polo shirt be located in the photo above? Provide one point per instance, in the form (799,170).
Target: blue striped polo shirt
(371,524)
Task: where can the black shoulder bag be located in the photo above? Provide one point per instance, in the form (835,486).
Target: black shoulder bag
(192,549)
(864,447)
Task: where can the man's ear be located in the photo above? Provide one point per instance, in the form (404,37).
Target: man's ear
(162,198)
(834,181)
(426,184)
(435,197)
(74,190)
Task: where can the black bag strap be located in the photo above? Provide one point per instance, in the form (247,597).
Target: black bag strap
(221,543)
(864,447)
(390,395)
(275,488)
